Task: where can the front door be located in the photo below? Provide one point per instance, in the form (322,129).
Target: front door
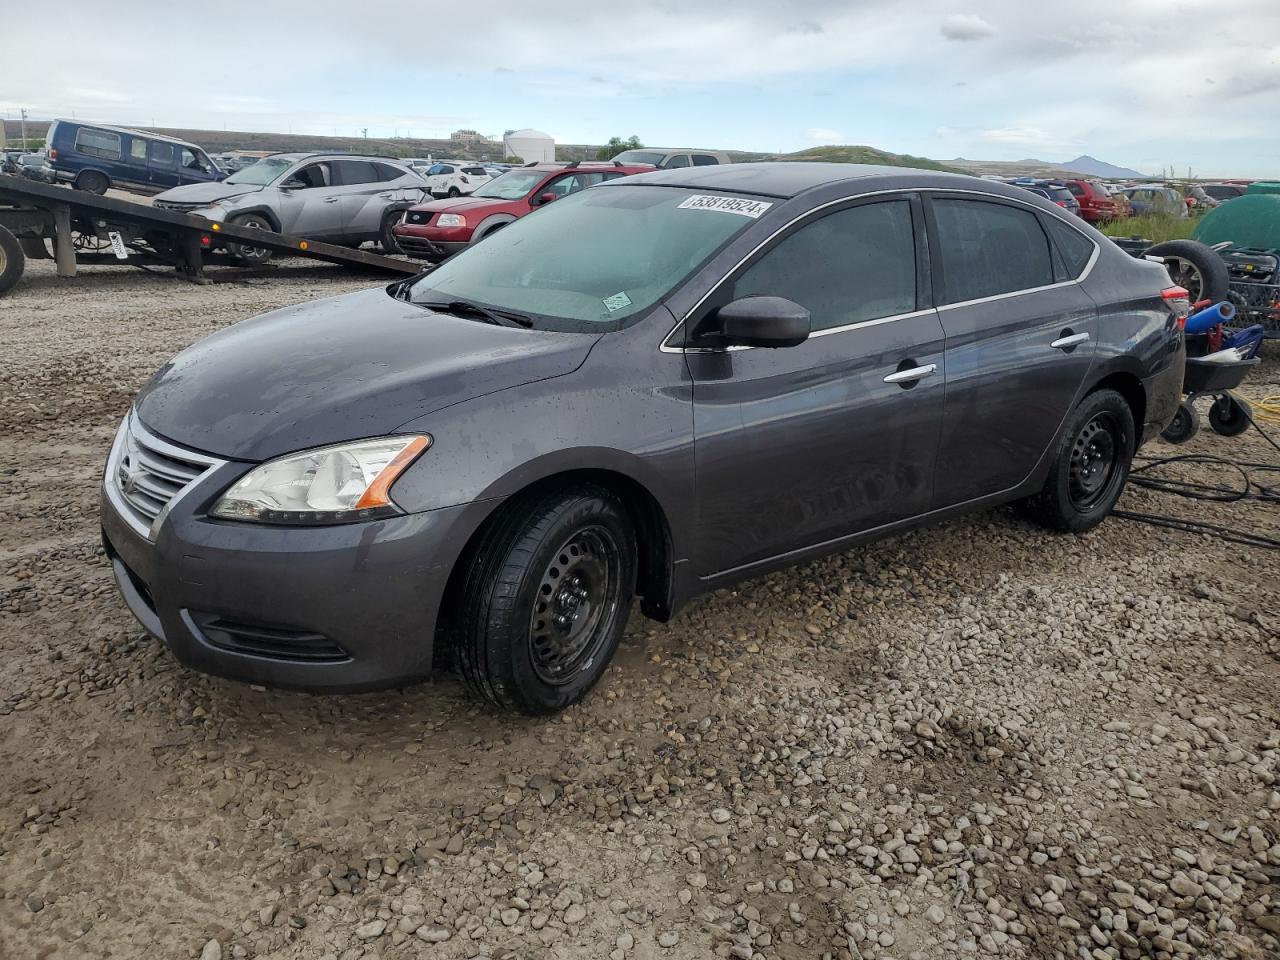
(313,208)
(1020,337)
(803,445)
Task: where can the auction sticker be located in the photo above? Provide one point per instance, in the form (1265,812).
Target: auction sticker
(616,302)
(738,205)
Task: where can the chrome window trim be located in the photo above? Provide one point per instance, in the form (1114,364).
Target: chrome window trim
(110,479)
(666,347)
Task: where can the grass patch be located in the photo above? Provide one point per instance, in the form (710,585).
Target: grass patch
(1154,227)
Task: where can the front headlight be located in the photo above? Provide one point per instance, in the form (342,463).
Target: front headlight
(338,484)
(451,220)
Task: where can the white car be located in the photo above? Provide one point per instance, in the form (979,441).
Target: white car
(446,179)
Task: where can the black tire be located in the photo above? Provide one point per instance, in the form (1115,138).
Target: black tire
(1195,266)
(1184,425)
(243,253)
(1230,416)
(1090,465)
(93,181)
(12,260)
(454,192)
(488,232)
(545,599)
(386,235)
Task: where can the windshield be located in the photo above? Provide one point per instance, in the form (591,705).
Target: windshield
(654,157)
(594,258)
(512,185)
(265,171)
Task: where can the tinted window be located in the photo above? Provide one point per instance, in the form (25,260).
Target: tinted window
(354,172)
(98,143)
(138,150)
(387,172)
(704,160)
(1077,189)
(989,248)
(678,160)
(1074,248)
(162,154)
(474,171)
(852,265)
(314,175)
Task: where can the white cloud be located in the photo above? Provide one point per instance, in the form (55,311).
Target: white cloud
(966,26)
(824,135)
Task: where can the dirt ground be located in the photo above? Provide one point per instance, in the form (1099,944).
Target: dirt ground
(977,739)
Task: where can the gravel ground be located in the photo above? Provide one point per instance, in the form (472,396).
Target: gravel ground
(974,740)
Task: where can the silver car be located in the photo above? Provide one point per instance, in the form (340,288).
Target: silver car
(335,198)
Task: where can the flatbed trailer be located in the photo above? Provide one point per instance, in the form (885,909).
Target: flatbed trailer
(89,229)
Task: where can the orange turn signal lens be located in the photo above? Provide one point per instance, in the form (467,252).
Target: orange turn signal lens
(379,492)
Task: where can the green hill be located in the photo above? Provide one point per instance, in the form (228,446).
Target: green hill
(850,154)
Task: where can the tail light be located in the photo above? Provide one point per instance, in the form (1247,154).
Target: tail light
(53,153)
(1061,203)
(1178,300)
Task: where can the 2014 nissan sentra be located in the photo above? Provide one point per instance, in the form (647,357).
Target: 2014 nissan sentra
(653,388)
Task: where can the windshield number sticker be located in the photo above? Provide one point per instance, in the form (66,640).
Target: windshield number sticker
(616,302)
(743,208)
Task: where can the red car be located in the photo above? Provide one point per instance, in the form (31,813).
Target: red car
(440,228)
(1096,205)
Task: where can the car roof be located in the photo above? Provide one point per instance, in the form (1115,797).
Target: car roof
(131,132)
(295,157)
(786,179)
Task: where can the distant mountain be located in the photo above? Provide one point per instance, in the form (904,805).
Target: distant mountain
(1100,168)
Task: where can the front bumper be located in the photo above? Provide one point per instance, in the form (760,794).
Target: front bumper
(431,243)
(339,608)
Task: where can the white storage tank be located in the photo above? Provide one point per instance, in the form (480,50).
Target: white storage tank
(531,146)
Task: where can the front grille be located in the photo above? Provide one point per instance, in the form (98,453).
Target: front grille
(148,473)
(419,217)
(260,640)
(176,206)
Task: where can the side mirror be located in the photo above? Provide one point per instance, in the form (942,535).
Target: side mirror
(545,197)
(762,322)
(293,183)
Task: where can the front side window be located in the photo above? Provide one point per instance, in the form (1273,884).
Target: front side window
(313,175)
(591,261)
(98,143)
(849,266)
(191,160)
(987,249)
(572,183)
(678,160)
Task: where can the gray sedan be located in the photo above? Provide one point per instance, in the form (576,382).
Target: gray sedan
(655,387)
(336,198)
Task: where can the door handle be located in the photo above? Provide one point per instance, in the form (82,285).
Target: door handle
(911,374)
(1069,340)
(330,199)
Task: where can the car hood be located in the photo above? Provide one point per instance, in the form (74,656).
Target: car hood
(464,204)
(206,192)
(344,368)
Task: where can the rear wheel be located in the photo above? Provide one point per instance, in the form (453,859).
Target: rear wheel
(92,181)
(12,260)
(546,598)
(245,254)
(1090,465)
(454,192)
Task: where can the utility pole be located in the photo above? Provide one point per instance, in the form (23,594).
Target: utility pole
(24,129)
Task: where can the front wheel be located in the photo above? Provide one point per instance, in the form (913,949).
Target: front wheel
(246,255)
(546,598)
(1090,465)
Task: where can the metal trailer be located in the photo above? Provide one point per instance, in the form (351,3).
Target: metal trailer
(86,228)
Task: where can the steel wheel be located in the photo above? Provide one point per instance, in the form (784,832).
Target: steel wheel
(575,604)
(1093,461)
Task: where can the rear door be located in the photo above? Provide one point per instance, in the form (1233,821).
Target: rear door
(361,204)
(1020,338)
(802,445)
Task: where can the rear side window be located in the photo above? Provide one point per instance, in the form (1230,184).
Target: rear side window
(354,172)
(1077,189)
(987,249)
(850,266)
(138,150)
(387,172)
(704,160)
(1073,247)
(98,143)
(474,171)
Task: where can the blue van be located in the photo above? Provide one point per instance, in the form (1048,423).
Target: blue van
(93,157)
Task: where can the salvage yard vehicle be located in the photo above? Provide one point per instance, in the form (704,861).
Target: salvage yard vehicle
(35,166)
(666,158)
(433,231)
(1156,198)
(456,179)
(658,387)
(1096,204)
(95,158)
(337,198)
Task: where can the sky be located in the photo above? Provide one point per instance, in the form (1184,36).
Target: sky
(1147,84)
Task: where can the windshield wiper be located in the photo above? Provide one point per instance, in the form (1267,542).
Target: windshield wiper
(501,318)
